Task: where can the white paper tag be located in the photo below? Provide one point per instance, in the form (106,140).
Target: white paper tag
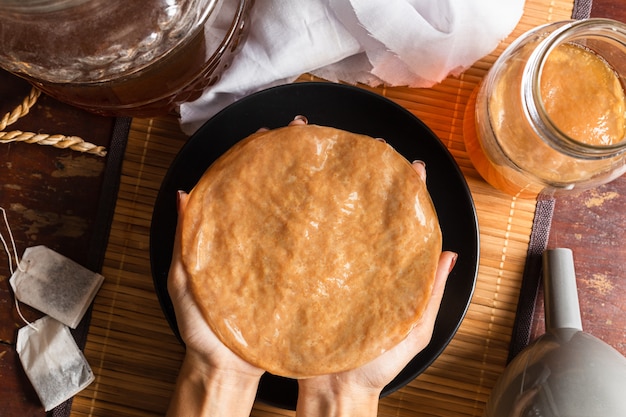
(54,364)
(55,285)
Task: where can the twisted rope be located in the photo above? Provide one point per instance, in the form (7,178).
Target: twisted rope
(21,110)
(74,143)
(58,141)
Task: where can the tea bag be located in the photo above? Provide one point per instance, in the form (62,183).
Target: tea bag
(55,285)
(54,364)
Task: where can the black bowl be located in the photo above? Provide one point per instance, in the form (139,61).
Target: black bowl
(355,110)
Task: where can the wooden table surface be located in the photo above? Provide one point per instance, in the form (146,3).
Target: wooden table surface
(51,197)
(593,225)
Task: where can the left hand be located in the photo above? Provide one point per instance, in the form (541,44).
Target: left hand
(194,330)
(203,346)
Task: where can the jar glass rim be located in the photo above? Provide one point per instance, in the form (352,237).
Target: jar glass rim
(38,6)
(596,28)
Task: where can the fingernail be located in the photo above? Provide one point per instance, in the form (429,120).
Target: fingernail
(419,162)
(453,262)
(179,197)
(381,140)
(302,119)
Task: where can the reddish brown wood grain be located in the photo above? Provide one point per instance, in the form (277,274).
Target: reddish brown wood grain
(51,198)
(593,225)
(614,9)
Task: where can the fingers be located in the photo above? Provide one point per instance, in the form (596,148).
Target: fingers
(181,201)
(176,276)
(447,260)
(420,168)
(299,120)
(383,369)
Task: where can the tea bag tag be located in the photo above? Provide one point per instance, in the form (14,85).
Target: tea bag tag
(55,285)
(54,364)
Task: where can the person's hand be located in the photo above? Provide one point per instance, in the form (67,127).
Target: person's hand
(356,392)
(198,337)
(213,381)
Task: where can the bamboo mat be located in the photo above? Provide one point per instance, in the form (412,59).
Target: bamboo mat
(135,356)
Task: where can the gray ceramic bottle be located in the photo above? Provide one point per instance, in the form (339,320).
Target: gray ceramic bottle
(566,372)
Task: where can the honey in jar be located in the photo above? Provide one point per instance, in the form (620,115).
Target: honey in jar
(550,116)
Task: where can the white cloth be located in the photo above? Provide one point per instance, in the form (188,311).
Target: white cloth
(414,43)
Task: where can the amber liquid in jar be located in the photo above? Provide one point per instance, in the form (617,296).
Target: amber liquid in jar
(129,58)
(155,90)
(583,98)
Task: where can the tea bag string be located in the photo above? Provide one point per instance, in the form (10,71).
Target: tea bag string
(6,247)
(59,141)
(17,262)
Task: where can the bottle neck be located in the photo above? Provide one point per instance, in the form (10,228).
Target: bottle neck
(599,31)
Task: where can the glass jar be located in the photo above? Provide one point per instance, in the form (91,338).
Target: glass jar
(550,116)
(121,57)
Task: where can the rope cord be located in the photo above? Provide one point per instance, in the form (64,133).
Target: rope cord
(74,143)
